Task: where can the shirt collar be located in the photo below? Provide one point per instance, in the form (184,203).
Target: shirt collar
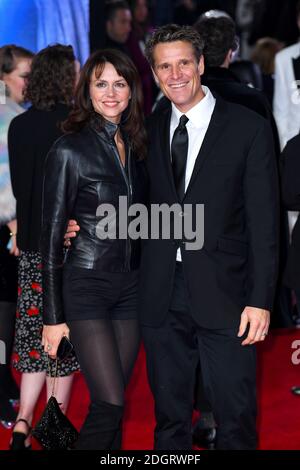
(200,115)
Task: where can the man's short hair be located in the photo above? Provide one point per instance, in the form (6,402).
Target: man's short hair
(171,33)
(219,36)
(112,7)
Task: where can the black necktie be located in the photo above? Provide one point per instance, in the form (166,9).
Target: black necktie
(179,150)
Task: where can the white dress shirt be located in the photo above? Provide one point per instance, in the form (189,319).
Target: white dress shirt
(199,118)
(286,102)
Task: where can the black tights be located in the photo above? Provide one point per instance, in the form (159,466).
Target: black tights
(7,327)
(106,350)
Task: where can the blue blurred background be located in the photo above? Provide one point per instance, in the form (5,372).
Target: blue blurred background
(36,23)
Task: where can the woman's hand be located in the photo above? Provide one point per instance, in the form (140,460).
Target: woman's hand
(52,335)
(71,232)
(14,250)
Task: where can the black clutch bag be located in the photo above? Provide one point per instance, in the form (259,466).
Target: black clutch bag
(65,348)
(54,431)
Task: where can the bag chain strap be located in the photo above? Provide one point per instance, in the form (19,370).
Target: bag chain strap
(54,376)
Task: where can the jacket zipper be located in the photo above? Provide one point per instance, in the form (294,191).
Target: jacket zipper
(129,196)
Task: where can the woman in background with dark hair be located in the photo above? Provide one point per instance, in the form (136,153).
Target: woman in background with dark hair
(15,62)
(93,294)
(140,32)
(50,90)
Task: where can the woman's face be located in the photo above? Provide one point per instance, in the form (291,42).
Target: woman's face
(16,80)
(110,93)
(141,11)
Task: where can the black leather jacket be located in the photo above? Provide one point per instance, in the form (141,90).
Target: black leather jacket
(82,171)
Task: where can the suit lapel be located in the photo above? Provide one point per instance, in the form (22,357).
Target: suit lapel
(213,133)
(164,131)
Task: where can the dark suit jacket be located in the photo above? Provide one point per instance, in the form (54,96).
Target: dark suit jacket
(30,137)
(235,178)
(291,200)
(224,82)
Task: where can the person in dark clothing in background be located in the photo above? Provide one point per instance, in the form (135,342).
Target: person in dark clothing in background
(118,26)
(50,90)
(264,56)
(15,62)
(221,42)
(276,19)
(290,165)
(141,30)
(186,12)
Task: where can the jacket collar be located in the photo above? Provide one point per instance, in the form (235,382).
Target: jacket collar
(106,129)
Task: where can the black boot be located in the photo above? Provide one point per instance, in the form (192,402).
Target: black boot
(117,443)
(101,427)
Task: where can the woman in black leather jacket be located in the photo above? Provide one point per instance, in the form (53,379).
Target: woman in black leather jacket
(91,291)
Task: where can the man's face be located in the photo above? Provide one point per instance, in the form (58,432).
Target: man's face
(178,74)
(120,26)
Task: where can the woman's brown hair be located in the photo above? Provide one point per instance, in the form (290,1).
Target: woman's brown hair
(264,54)
(132,119)
(52,77)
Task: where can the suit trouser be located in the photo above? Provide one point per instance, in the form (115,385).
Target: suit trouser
(229,376)
(201,402)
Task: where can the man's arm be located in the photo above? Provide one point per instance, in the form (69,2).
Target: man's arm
(262,219)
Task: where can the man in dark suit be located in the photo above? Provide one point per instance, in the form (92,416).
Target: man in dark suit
(220,44)
(213,303)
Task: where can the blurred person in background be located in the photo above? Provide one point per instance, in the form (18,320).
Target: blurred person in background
(50,90)
(15,62)
(141,29)
(118,20)
(162,11)
(186,12)
(263,55)
(286,103)
(221,45)
(291,199)
(273,18)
